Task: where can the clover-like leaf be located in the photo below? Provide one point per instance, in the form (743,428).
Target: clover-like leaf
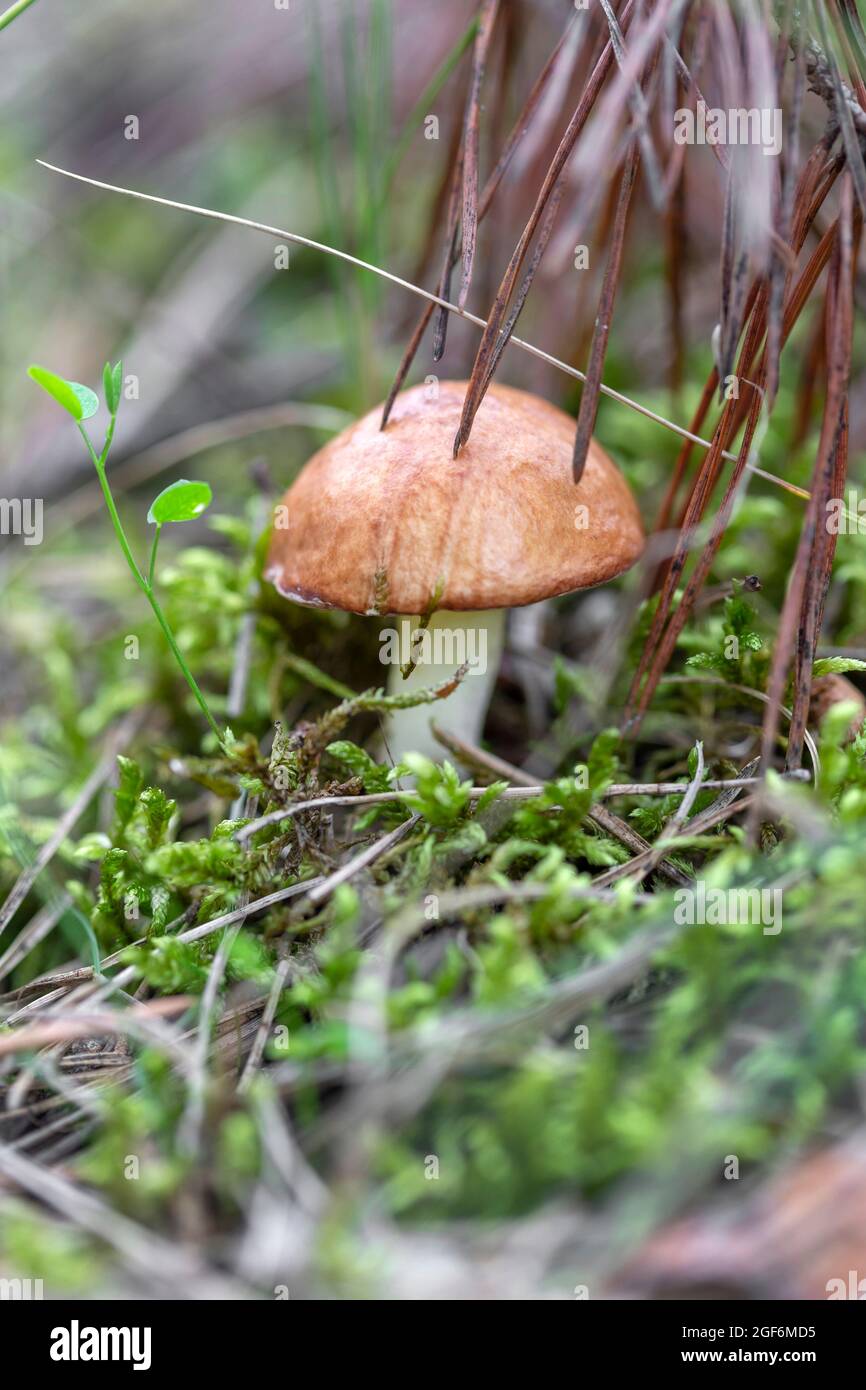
(181,501)
(66,393)
(88,399)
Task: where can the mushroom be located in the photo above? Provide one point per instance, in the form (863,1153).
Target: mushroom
(389,522)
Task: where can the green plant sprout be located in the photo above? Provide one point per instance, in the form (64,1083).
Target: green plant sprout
(14,11)
(181,501)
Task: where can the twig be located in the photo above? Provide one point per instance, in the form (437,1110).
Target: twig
(605,819)
(166,1264)
(407,923)
(257,1050)
(60,984)
(679,817)
(522,793)
(638,867)
(696,785)
(87,1025)
(623,832)
(36,930)
(239,913)
(368,856)
(189,1130)
(66,979)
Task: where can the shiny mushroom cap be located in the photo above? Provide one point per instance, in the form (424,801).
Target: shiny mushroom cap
(388,521)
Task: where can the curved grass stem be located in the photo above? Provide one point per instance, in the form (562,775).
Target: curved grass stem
(145,584)
(151,570)
(14,11)
(179,658)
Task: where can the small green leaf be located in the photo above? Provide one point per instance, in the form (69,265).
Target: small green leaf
(63,391)
(836,666)
(182,501)
(112,378)
(88,399)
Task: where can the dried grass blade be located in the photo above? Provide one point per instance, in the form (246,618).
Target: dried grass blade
(640,110)
(856,34)
(678,620)
(589,397)
(815,183)
(480,371)
(785,214)
(483,37)
(728,330)
(520,299)
(853,55)
(820,569)
(812,369)
(842,98)
(519,129)
(700,101)
(803,594)
(443,288)
(676,257)
(659,648)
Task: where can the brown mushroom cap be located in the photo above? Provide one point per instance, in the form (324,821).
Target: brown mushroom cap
(388,521)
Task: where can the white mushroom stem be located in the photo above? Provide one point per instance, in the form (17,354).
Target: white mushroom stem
(449,640)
